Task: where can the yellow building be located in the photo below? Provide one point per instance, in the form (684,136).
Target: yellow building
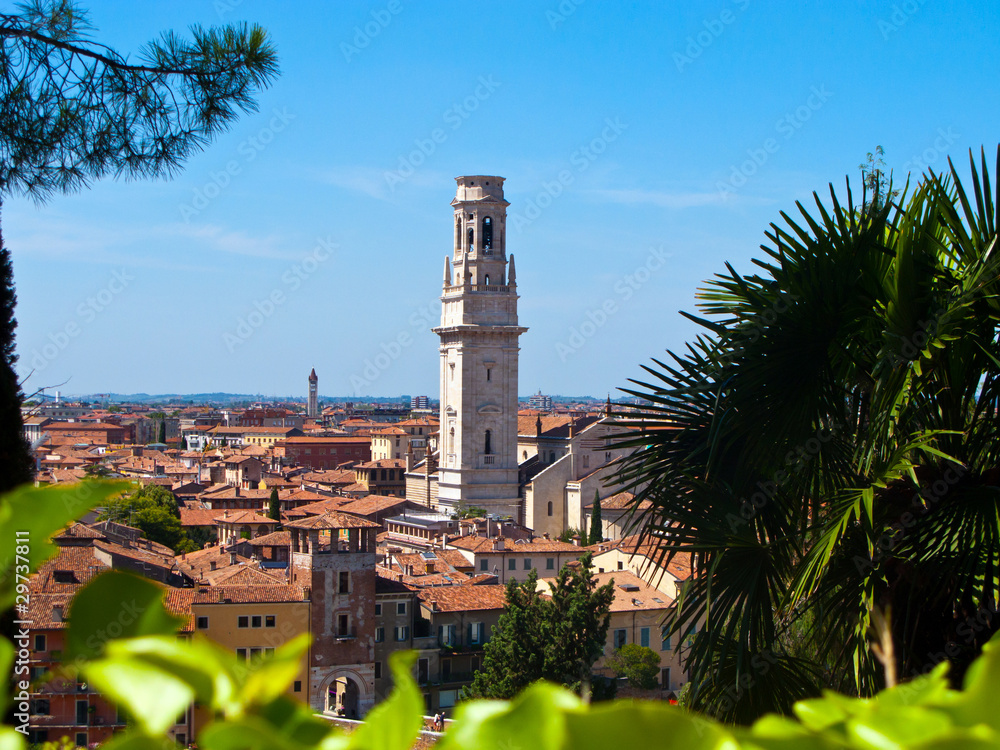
(252,620)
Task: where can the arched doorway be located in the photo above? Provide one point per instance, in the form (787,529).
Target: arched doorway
(342,698)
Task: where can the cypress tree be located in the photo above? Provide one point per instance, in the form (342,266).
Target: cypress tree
(274,508)
(596,527)
(16,462)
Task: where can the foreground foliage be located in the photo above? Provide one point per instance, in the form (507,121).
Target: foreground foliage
(828,449)
(155,675)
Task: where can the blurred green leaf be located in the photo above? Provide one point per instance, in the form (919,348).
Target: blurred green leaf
(11,739)
(116,604)
(270,677)
(395,723)
(41,511)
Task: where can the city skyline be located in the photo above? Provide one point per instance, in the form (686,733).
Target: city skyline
(641,152)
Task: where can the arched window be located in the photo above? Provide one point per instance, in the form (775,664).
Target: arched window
(487,233)
(524,454)
(550,507)
(471,238)
(489,442)
(487,279)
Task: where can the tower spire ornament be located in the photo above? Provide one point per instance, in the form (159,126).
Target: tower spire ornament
(479,356)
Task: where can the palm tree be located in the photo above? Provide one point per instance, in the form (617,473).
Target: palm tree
(827,450)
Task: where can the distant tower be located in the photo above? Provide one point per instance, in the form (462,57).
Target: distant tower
(479,349)
(312,410)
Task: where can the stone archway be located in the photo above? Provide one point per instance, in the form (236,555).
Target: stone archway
(346,694)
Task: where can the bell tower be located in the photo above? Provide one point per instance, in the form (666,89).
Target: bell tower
(479,349)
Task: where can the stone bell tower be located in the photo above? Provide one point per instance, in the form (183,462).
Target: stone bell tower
(479,348)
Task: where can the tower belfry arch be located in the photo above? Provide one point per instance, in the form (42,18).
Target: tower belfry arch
(479,348)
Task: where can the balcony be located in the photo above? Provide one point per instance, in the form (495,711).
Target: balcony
(489,459)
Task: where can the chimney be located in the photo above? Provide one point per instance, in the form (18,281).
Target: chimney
(576,540)
(225,514)
(545,536)
(498,544)
(149,544)
(236,490)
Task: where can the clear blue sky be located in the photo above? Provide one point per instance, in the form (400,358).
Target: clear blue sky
(722,114)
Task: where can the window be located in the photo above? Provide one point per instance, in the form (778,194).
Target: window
(471,236)
(621,638)
(527,563)
(484,564)
(181,739)
(64,576)
(550,563)
(343,625)
(378,610)
(621,565)
(644,637)
(402,633)
(489,370)
(400,608)
(446,635)
(445,670)
(268,621)
(297,686)
(475,633)
(379,634)
(255,653)
(243,621)
(39,643)
(81,711)
(586,460)
(256,621)
(202,623)
(344,584)
(487,233)
(378,670)
(268,651)
(241,654)
(474,664)
(81,737)
(512,564)
(550,507)
(40,707)
(489,440)
(665,637)
(665,676)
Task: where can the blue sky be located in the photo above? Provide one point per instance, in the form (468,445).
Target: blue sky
(644,145)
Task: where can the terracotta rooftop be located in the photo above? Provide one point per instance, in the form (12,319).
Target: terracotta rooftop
(482,545)
(463,598)
(333,520)
(275,538)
